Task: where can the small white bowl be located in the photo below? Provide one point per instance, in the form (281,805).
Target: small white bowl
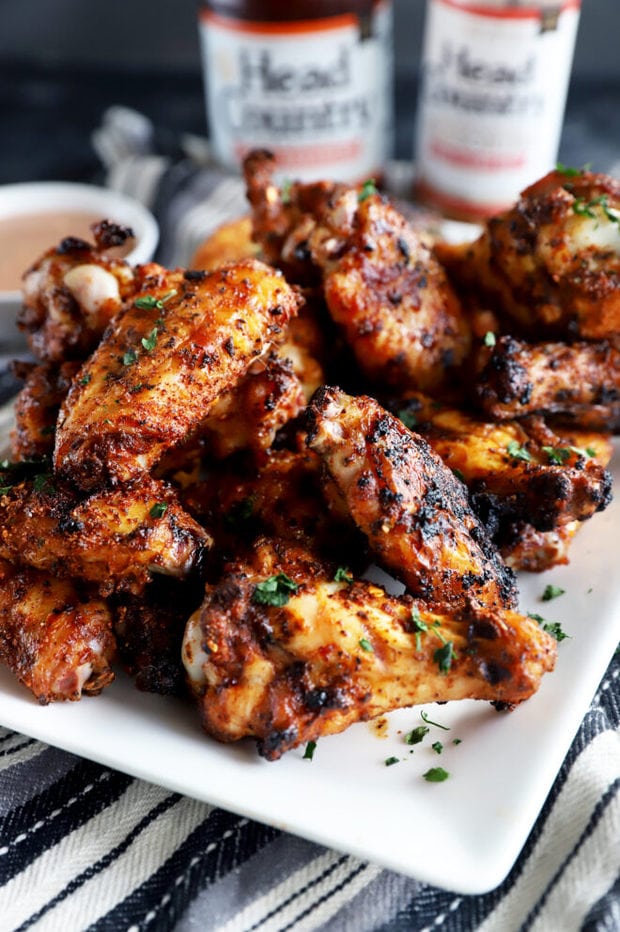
(53,196)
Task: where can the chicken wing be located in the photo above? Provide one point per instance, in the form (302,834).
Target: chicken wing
(551,263)
(526,549)
(72,293)
(579,383)
(57,641)
(115,539)
(185,339)
(411,507)
(37,406)
(515,471)
(323,653)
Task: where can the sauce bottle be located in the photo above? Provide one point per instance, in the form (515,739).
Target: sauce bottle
(494,80)
(311,80)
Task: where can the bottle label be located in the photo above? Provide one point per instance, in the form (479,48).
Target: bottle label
(492,101)
(317,93)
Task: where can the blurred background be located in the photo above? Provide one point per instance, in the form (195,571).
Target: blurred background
(63,62)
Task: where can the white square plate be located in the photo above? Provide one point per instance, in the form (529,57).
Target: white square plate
(463,834)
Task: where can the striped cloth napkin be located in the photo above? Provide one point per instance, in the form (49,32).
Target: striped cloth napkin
(85,847)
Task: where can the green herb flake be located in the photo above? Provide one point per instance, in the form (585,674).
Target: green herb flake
(5,489)
(309,751)
(285,191)
(85,379)
(408,418)
(518,452)
(420,627)
(444,656)
(554,628)
(436,775)
(342,574)
(552,592)
(158,510)
(129,357)
(458,474)
(568,171)
(368,189)
(416,735)
(558,455)
(43,483)
(150,342)
(390,760)
(48,430)
(239,512)
(148,301)
(457,741)
(586,208)
(437,747)
(275,590)
(591,452)
(489,338)
(366,645)
(428,721)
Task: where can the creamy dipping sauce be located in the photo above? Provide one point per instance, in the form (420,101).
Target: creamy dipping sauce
(25,237)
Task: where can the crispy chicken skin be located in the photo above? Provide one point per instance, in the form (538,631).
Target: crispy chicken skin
(57,642)
(231,242)
(115,539)
(551,263)
(409,504)
(339,652)
(37,406)
(184,340)
(515,471)
(527,550)
(578,383)
(382,286)
(72,292)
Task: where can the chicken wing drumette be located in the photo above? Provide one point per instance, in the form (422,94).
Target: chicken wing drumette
(37,406)
(56,639)
(72,293)
(184,340)
(283,652)
(551,263)
(409,504)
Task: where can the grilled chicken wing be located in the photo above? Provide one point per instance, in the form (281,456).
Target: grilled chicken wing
(57,642)
(115,539)
(382,286)
(551,262)
(185,339)
(515,471)
(579,383)
(330,653)
(37,407)
(412,508)
(72,293)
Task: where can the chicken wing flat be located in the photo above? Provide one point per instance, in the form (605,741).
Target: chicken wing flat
(578,383)
(551,263)
(72,293)
(57,642)
(516,471)
(323,653)
(37,406)
(184,340)
(115,539)
(382,285)
(409,504)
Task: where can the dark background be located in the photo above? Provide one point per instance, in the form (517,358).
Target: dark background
(62,62)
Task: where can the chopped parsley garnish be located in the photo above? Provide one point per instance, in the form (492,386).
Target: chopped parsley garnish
(554,628)
(586,208)
(558,455)
(148,301)
(416,735)
(239,512)
(444,656)
(368,189)
(489,338)
(158,510)
(342,575)
(5,489)
(552,592)
(43,483)
(518,452)
(310,749)
(568,171)
(457,740)
(129,357)
(275,590)
(285,191)
(150,342)
(437,747)
(85,379)
(420,627)
(408,418)
(390,760)
(458,474)
(436,775)
(428,721)
(366,645)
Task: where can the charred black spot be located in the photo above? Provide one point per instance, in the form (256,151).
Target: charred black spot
(494,673)
(318,699)
(72,244)
(403,248)
(229,346)
(194,275)
(108,234)
(70,525)
(277,742)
